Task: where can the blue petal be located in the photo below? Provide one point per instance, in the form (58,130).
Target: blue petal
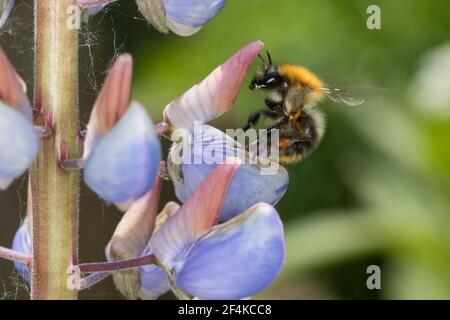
(154,281)
(254,247)
(19,144)
(249,185)
(96,9)
(124,163)
(22,243)
(193,13)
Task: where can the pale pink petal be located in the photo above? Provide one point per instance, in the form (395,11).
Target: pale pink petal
(196,217)
(136,226)
(181,29)
(155,13)
(216,94)
(131,237)
(112,102)
(12,87)
(169,210)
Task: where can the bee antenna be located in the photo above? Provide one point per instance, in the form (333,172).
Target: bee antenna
(262,58)
(270,58)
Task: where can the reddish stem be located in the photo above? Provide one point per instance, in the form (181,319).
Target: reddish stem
(117,265)
(12,255)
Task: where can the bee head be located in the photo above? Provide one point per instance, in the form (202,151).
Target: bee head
(268,78)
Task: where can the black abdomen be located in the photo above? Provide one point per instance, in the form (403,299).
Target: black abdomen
(303,135)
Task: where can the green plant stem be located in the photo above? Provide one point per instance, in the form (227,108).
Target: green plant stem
(54,190)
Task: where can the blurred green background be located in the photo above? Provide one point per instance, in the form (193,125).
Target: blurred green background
(376,192)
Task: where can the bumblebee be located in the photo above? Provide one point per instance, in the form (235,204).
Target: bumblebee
(293,95)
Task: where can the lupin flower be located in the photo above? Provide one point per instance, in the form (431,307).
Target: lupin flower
(233,260)
(22,244)
(190,246)
(130,239)
(182,17)
(19,140)
(122,152)
(135,229)
(92,7)
(5,9)
(96,9)
(254,250)
(249,187)
(154,280)
(204,102)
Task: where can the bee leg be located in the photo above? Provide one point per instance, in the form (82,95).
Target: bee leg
(252,120)
(272,114)
(273,105)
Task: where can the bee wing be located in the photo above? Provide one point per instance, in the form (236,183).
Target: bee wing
(343,97)
(353,96)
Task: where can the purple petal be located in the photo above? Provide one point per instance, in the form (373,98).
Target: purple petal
(249,186)
(22,243)
(154,281)
(95,9)
(123,165)
(19,144)
(192,13)
(236,259)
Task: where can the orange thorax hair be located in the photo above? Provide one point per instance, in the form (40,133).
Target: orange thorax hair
(302,76)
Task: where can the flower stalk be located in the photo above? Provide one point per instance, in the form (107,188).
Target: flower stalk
(15,256)
(54,190)
(117,265)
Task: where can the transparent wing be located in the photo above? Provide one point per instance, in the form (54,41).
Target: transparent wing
(352,96)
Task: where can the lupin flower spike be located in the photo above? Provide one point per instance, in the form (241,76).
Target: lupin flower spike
(6,7)
(122,152)
(182,17)
(206,101)
(229,261)
(19,140)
